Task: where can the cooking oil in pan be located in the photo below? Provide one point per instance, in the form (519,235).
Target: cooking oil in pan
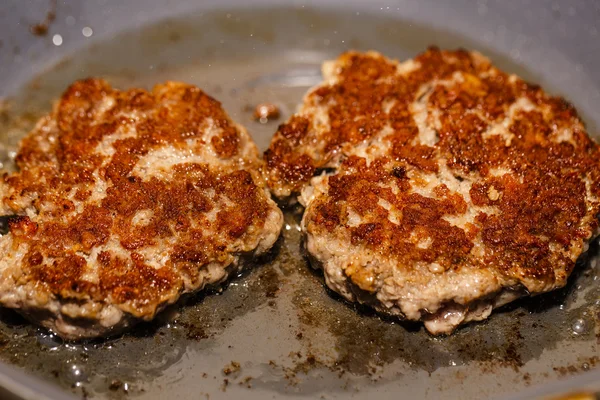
(276,329)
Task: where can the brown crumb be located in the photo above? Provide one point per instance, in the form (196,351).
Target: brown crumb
(246,381)
(115,385)
(233,367)
(41,28)
(265,112)
(197,334)
(583,364)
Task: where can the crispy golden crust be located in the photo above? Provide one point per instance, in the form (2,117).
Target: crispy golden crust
(443,163)
(127,197)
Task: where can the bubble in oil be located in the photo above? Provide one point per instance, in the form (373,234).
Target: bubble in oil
(48,340)
(57,40)
(87,31)
(74,373)
(579,327)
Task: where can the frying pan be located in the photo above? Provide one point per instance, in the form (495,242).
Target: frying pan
(276,331)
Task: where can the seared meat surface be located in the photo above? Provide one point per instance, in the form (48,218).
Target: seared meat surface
(439,188)
(125,200)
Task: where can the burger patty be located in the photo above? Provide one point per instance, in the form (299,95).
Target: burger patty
(439,188)
(124,201)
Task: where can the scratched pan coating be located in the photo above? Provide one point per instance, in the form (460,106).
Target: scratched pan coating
(276,330)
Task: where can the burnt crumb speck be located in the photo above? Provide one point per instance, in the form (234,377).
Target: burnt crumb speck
(582,365)
(224,385)
(246,382)
(115,385)
(233,367)
(299,335)
(41,28)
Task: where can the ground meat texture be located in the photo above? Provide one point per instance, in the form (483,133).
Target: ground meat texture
(439,188)
(125,200)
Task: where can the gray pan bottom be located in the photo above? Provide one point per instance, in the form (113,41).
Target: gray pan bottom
(276,330)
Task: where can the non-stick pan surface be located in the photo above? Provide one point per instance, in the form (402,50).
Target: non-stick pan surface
(276,331)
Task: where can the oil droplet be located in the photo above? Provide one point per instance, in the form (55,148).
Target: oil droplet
(57,40)
(578,327)
(87,31)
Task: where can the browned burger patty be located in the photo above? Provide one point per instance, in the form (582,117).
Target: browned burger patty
(449,188)
(127,200)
